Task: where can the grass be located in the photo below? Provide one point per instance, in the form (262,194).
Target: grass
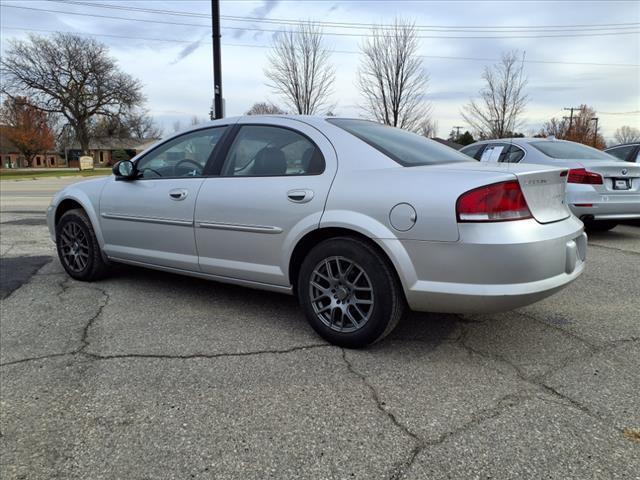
(34,175)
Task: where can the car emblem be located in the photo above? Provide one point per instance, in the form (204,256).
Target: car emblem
(624,171)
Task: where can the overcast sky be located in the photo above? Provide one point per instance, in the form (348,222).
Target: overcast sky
(174,61)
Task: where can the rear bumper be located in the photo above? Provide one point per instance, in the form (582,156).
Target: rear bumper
(586,202)
(494,267)
(607,210)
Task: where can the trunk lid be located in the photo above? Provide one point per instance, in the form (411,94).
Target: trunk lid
(543,186)
(545,193)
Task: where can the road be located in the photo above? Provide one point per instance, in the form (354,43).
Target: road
(31,195)
(147,375)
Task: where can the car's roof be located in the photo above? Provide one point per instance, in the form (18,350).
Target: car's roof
(522,140)
(310,119)
(632,144)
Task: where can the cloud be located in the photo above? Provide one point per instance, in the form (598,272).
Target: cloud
(259,12)
(188,50)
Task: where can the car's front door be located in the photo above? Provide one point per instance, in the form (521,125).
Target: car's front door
(150,219)
(272,186)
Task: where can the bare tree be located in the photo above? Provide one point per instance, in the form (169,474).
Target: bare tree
(141,125)
(627,134)
(391,77)
(134,124)
(195,120)
(69,75)
(264,108)
(177,126)
(498,111)
(428,128)
(299,69)
(582,128)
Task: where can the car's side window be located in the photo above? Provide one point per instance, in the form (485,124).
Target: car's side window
(621,152)
(262,150)
(512,154)
(472,150)
(184,156)
(492,153)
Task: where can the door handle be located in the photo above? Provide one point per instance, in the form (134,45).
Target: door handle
(178,194)
(300,196)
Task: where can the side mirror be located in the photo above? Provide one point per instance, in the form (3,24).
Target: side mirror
(124,170)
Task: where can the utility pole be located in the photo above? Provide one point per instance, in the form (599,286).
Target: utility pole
(217,64)
(595,132)
(570,118)
(458,127)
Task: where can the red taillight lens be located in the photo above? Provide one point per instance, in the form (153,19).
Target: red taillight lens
(580,175)
(498,202)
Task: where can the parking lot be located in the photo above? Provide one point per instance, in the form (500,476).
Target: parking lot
(148,375)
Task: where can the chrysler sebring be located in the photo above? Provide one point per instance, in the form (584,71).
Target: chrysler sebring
(357,219)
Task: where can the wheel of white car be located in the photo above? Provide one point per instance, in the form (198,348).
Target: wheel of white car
(349,293)
(78,248)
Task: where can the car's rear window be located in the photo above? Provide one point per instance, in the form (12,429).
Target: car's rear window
(406,148)
(571,151)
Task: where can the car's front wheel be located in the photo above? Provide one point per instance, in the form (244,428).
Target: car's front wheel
(349,293)
(78,248)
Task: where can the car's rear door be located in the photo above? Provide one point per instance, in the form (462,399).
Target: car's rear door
(150,220)
(272,186)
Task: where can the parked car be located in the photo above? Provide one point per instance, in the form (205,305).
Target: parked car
(602,190)
(357,219)
(629,152)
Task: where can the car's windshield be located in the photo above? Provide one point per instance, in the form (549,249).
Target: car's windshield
(406,148)
(571,151)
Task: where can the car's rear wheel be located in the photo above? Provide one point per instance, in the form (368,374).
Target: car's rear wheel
(599,225)
(349,293)
(78,248)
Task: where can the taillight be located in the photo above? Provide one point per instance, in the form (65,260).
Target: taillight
(580,175)
(498,202)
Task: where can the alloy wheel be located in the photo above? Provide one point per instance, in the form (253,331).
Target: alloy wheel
(341,294)
(74,247)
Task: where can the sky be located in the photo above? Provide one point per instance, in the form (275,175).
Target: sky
(576,52)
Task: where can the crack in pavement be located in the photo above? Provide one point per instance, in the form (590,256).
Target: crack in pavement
(65,285)
(98,357)
(538,381)
(420,444)
(631,252)
(400,468)
(594,348)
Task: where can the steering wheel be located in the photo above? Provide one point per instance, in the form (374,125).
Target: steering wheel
(192,162)
(151,170)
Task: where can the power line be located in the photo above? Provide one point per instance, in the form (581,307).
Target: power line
(292,21)
(253,29)
(634,112)
(350,52)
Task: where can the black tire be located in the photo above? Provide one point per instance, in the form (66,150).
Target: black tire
(385,293)
(82,259)
(599,225)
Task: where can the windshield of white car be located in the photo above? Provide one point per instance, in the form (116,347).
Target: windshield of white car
(406,148)
(571,151)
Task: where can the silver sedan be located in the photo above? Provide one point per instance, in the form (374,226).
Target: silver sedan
(602,189)
(358,220)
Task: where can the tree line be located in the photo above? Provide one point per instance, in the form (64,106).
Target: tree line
(65,87)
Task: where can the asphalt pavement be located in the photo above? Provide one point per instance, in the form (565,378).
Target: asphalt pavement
(148,375)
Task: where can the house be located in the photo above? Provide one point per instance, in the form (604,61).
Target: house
(448,143)
(11,157)
(102,150)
